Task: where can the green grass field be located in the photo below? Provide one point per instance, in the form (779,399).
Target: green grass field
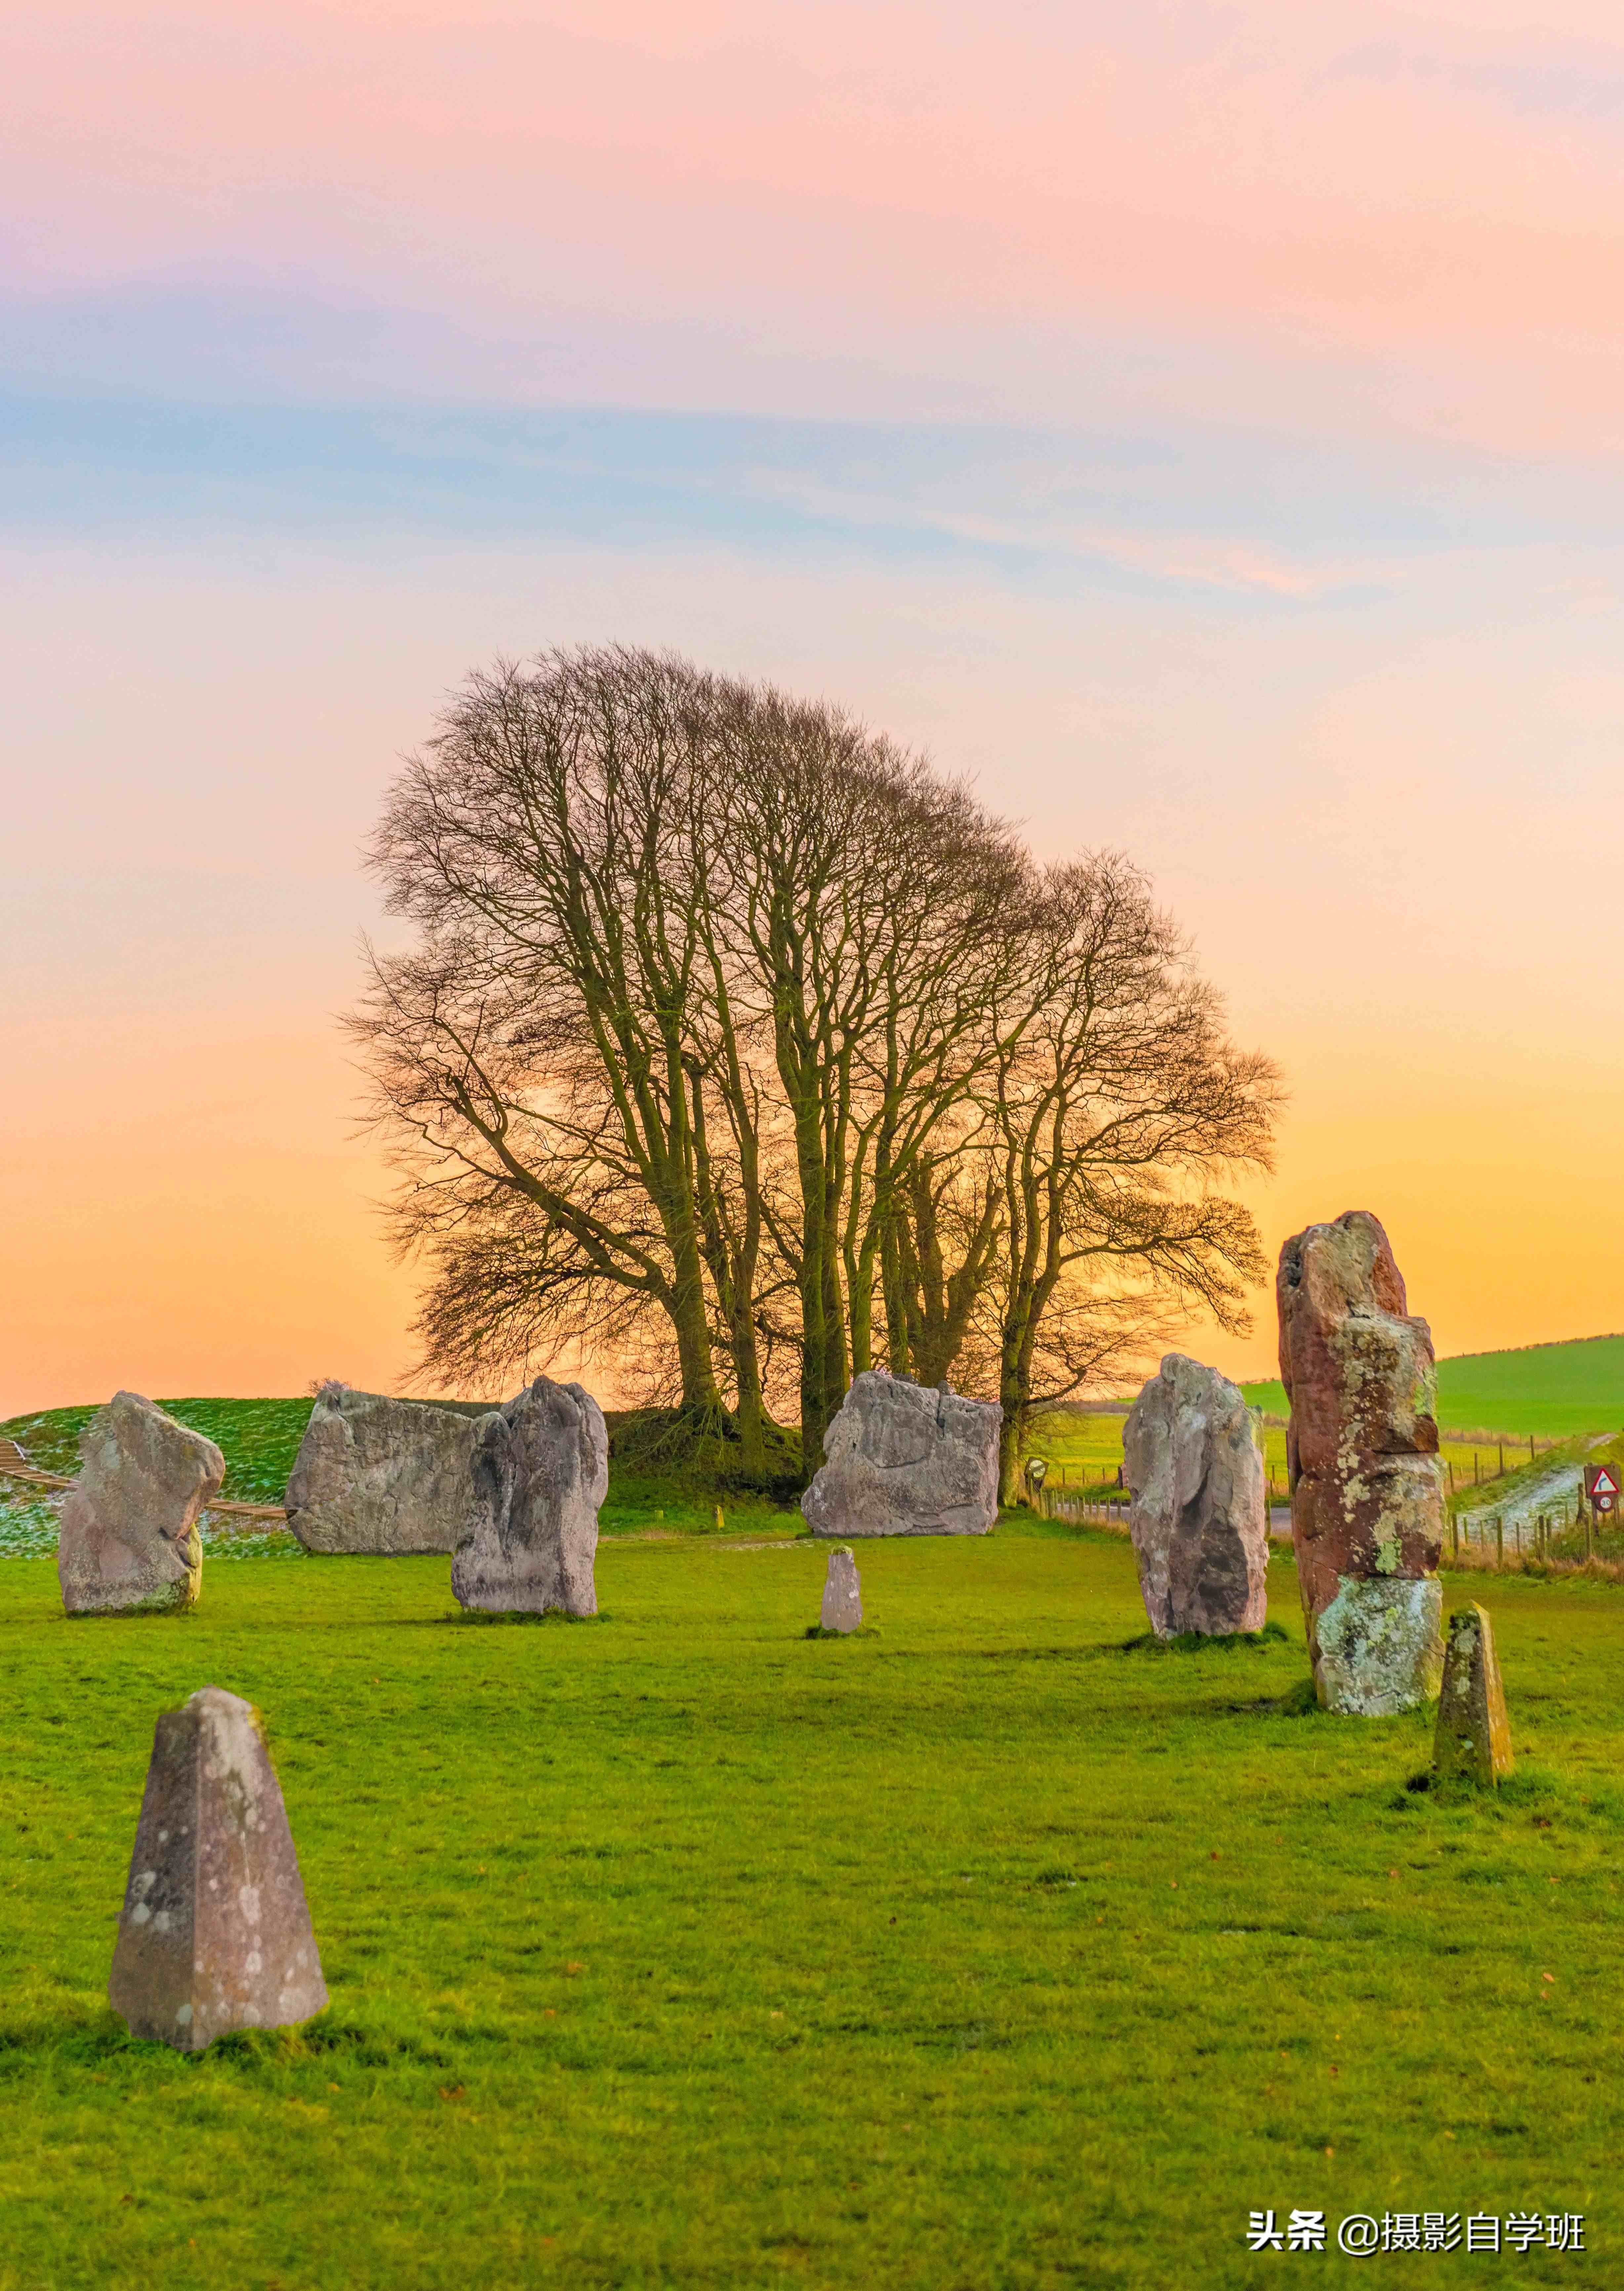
(1551,1390)
(679,1950)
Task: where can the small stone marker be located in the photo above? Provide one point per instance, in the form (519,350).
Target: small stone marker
(1474,1736)
(129,1541)
(541,1469)
(842,1592)
(214,1934)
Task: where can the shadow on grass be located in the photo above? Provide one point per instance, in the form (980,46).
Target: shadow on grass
(481,1618)
(1203,1643)
(93,2037)
(1533,1795)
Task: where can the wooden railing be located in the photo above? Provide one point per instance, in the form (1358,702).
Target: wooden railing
(14,1466)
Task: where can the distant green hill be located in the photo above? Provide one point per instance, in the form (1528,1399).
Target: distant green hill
(258,1438)
(1552,1390)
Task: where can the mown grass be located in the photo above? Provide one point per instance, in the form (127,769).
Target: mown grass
(679,1950)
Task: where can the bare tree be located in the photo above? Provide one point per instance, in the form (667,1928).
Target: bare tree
(735,1041)
(1117,1102)
(535,1048)
(868,901)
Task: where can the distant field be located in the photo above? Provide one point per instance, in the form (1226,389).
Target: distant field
(1551,1390)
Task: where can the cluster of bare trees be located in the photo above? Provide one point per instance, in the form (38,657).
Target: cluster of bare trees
(737,1046)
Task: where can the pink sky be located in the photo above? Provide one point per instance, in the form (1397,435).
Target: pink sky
(1286,556)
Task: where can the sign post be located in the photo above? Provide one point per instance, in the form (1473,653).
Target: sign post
(1602,1487)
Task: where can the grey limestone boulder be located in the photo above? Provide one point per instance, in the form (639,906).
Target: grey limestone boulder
(129,1538)
(842,1592)
(541,1471)
(903,1460)
(1199,1527)
(214,1934)
(383,1476)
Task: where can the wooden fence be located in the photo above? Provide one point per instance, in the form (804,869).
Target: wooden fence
(14,1466)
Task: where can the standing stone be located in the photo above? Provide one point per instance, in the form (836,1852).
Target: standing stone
(129,1540)
(1474,1736)
(214,1934)
(541,1471)
(1367,1487)
(842,1592)
(902,1459)
(1192,1461)
(383,1476)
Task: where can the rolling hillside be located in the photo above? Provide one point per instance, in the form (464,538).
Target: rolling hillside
(1551,1390)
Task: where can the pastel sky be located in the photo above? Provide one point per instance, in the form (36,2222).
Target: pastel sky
(1202,424)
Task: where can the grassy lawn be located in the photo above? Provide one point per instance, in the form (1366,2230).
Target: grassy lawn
(676,1949)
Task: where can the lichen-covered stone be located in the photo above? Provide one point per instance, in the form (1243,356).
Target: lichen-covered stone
(541,1471)
(383,1476)
(1474,1735)
(129,1541)
(1376,1644)
(1367,1486)
(214,1934)
(901,1458)
(1192,1460)
(842,1592)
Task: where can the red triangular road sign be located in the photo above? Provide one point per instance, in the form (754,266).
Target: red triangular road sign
(1604,1482)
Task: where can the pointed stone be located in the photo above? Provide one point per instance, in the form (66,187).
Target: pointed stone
(1474,1736)
(214,1934)
(842,1592)
(129,1540)
(541,1469)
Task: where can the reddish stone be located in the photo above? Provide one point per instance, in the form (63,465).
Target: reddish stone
(1367,1492)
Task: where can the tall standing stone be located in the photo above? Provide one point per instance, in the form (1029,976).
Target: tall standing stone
(842,1592)
(214,1934)
(1192,1460)
(1474,1734)
(541,1470)
(129,1542)
(384,1477)
(1367,1486)
(903,1459)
